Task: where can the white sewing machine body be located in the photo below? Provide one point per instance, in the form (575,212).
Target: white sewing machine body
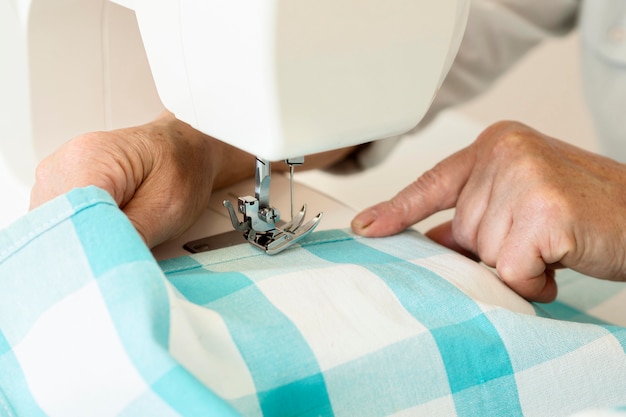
(283,78)
(279,79)
(68,67)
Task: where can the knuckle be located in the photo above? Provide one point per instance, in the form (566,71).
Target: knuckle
(510,140)
(403,207)
(464,234)
(552,218)
(421,198)
(548,204)
(401,212)
(428,182)
(43,171)
(486,250)
(430,186)
(513,143)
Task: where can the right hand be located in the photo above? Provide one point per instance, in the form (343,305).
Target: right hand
(525,204)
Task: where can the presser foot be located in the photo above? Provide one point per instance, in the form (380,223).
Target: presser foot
(278,238)
(261,225)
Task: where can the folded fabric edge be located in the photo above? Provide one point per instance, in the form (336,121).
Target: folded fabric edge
(43,218)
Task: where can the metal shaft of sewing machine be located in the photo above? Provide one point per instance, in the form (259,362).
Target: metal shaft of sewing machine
(260,220)
(267,216)
(262,177)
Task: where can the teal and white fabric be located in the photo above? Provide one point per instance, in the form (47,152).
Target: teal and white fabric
(92,325)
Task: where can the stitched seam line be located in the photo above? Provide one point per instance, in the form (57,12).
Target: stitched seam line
(49,224)
(259,253)
(5,405)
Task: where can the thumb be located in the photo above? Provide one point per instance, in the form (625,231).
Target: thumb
(435,190)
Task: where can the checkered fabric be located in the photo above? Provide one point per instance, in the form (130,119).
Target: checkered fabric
(92,325)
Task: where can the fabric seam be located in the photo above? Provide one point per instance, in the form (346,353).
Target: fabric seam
(41,228)
(5,405)
(259,253)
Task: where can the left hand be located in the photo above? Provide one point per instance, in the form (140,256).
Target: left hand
(160,174)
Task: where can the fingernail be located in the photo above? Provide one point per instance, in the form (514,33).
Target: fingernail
(364,219)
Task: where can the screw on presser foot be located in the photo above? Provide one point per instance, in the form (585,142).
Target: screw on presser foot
(261,224)
(276,239)
(260,220)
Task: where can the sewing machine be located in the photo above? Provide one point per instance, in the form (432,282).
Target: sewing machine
(280,79)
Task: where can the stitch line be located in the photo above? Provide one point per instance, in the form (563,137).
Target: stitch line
(5,406)
(202,264)
(40,228)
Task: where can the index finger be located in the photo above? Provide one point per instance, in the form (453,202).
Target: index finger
(435,190)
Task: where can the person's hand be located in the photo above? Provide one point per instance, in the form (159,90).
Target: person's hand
(160,174)
(525,204)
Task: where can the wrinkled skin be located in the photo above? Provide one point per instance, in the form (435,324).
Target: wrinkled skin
(161,174)
(525,204)
(151,177)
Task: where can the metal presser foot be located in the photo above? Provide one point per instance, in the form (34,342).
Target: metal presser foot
(260,220)
(260,224)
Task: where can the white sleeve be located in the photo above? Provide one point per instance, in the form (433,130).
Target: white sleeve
(498,34)
(603,57)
